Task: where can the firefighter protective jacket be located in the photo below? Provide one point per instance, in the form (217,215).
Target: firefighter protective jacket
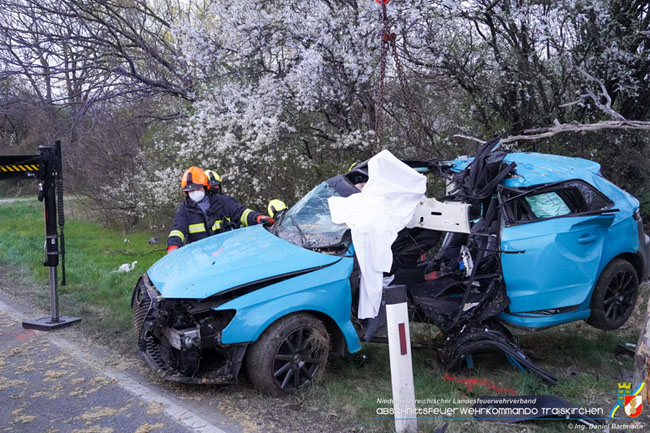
(224,213)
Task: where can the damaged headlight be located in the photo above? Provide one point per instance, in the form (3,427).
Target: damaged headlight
(190,324)
(183,338)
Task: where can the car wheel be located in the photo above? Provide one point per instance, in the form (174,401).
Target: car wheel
(614,296)
(291,354)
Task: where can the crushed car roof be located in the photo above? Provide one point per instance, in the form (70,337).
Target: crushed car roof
(539,168)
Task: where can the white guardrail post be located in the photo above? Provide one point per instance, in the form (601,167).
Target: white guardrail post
(401,366)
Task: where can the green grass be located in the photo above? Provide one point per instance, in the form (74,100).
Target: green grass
(581,357)
(94,290)
(582,360)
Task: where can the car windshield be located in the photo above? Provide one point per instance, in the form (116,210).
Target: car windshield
(308,223)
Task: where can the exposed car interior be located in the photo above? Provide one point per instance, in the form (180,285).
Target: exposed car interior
(459,286)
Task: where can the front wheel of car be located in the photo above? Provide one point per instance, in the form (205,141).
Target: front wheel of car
(614,296)
(290,355)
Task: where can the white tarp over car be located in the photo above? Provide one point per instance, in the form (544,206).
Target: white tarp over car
(383,208)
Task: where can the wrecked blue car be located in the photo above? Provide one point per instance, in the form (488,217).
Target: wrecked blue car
(518,240)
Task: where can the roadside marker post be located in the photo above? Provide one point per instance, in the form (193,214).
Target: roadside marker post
(401,365)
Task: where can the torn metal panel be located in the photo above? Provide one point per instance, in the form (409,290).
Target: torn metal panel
(459,344)
(451,216)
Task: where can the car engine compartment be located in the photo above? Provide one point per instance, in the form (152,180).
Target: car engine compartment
(181,339)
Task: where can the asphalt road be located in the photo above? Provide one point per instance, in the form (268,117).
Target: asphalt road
(49,382)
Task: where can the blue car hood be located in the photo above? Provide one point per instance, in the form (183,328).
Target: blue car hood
(228,260)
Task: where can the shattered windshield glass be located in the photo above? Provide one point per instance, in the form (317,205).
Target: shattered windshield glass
(308,223)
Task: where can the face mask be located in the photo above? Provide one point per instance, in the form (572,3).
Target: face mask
(196,195)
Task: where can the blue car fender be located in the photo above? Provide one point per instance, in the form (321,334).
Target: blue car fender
(326,291)
(621,239)
(623,234)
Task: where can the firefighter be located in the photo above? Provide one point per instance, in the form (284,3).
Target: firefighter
(214,182)
(202,215)
(215,187)
(275,207)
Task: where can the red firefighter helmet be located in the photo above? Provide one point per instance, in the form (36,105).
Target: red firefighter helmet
(193,178)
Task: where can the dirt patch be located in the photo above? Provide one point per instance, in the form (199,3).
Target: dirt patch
(97,413)
(146,428)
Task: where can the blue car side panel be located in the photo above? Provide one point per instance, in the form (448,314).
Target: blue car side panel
(560,263)
(558,270)
(564,256)
(544,320)
(230,259)
(326,291)
(622,237)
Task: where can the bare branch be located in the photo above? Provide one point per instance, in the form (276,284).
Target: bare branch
(79,48)
(560,128)
(536,134)
(607,107)
(568,104)
(467,137)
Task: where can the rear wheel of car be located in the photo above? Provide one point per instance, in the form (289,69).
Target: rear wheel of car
(614,296)
(291,354)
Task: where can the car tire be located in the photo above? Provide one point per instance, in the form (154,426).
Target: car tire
(290,355)
(614,296)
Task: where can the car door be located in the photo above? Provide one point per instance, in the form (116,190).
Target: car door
(552,241)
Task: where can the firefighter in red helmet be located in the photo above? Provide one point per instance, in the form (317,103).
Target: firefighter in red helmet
(202,215)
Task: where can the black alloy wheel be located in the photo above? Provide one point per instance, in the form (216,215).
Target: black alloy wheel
(296,361)
(620,293)
(289,355)
(614,296)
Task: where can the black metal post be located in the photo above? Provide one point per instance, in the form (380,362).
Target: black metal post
(59,207)
(51,248)
(49,173)
(51,233)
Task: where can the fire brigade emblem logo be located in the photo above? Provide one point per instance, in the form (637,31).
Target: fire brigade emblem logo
(630,401)
(624,389)
(633,405)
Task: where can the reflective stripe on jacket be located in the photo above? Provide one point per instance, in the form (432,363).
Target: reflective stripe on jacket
(224,213)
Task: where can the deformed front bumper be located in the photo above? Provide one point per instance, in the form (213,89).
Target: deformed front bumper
(181,339)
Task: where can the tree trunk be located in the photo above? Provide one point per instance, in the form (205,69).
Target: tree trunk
(642,358)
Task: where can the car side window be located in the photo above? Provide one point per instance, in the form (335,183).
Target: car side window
(547,205)
(594,199)
(573,197)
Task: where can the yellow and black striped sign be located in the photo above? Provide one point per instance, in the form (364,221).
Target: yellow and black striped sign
(19,168)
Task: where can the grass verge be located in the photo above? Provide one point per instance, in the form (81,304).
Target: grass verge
(581,357)
(95,290)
